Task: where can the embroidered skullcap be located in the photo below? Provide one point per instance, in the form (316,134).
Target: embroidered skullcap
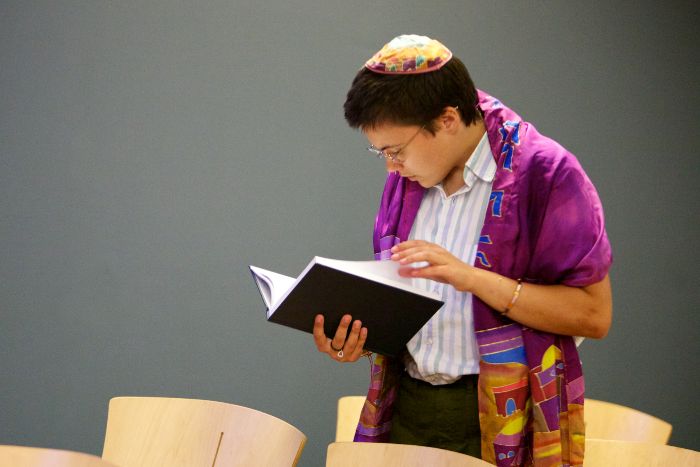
(409,54)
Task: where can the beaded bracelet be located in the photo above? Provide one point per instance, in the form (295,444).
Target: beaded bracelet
(516,294)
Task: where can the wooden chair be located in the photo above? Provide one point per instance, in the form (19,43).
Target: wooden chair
(605,420)
(348,454)
(157,431)
(349,408)
(25,456)
(607,452)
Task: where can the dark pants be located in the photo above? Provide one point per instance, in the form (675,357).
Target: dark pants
(445,416)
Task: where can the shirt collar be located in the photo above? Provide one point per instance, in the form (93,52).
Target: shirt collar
(481,163)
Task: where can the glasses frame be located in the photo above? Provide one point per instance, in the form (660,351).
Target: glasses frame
(393,156)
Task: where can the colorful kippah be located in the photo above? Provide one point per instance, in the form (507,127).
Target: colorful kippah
(409,54)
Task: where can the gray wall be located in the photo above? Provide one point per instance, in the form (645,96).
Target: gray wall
(151,150)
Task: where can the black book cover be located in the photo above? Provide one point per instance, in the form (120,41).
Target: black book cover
(391,315)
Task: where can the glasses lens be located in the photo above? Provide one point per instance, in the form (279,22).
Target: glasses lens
(376,152)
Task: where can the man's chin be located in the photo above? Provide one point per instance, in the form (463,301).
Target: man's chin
(421,181)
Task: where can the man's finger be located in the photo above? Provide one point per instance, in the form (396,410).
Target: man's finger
(352,338)
(319,335)
(360,345)
(341,333)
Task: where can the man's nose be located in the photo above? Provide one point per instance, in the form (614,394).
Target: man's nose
(392,166)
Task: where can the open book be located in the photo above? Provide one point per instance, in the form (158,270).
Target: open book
(389,306)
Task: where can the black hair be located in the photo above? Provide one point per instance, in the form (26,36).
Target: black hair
(411,99)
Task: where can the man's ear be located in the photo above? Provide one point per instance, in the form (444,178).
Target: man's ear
(450,119)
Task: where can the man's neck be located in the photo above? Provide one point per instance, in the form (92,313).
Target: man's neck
(468,140)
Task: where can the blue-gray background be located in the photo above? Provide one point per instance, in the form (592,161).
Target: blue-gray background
(151,150)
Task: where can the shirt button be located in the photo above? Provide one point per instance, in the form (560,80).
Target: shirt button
(430,341)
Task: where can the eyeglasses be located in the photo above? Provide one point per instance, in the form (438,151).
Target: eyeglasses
(392,156)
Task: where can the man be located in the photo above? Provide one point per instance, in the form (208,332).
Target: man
(506,226)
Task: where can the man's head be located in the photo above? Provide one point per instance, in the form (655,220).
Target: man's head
(410,81)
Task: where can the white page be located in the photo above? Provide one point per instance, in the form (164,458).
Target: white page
(273,286)
(386,269)
(380,271)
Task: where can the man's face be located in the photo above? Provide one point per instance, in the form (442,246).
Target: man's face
(417,154)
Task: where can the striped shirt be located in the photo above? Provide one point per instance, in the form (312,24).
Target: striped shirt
(445,348)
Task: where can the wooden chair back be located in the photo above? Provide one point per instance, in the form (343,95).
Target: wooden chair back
(25,456)
(608,452)
(605,420)
(158,431)
(348,454)
(349,408)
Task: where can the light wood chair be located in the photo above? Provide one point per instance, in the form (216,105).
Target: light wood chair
(607,452)
(25,456)
(158,431)
(348,454)
(605,420)
(349,408)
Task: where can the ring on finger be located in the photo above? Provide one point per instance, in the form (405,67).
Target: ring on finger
(340,350)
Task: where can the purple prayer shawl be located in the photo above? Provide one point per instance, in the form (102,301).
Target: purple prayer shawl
(544,224)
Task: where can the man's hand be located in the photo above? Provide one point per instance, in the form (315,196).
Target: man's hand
(442,266)
(344,347)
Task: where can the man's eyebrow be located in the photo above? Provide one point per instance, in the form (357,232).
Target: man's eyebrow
(384,148)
